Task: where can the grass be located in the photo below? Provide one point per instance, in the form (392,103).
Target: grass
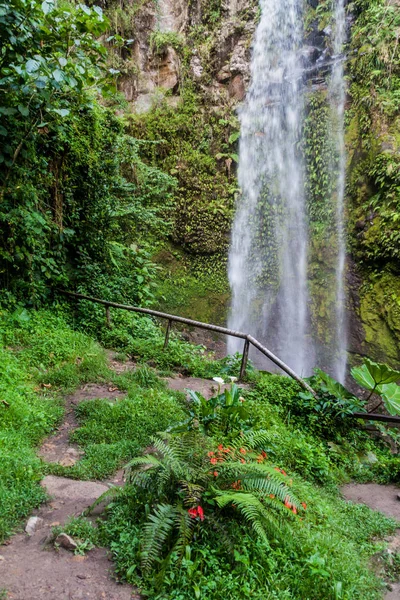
(327,556)
(36,348)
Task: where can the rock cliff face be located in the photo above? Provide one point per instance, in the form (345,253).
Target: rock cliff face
(205,47)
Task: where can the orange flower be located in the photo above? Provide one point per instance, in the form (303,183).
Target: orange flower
(220,447)
(264,454)
(272,496)
(215,473)
(242,450)
(242,460)
(294,510)
(210,453)
(304,505)
(213,461)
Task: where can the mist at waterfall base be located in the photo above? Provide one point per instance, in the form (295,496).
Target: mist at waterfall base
(269,259)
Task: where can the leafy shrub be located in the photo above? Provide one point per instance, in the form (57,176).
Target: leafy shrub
(187,484)
(224,414)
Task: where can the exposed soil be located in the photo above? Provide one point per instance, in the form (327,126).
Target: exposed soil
(32,569)
(56,448)
(385,499)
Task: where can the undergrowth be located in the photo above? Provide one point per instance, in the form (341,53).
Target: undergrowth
(326,554)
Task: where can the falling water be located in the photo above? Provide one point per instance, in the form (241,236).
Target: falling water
(268,261)
(337,97)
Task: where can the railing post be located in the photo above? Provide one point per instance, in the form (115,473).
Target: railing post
(169,325)
(244,360)
(108,317)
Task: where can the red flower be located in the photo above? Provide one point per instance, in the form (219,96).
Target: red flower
(213,461)
(210,453)
(304,505)
(294,510)
(242,450)
(264,454)
(215,473)
(195,512)
(220,447)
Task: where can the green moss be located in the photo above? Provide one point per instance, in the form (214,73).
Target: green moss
(380,315)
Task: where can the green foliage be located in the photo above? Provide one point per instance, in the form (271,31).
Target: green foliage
(225,414)
(76,196)
(177,481)
(112,432)
(188,138)
(161,40)
(32,345)
(84,532)
(380,378)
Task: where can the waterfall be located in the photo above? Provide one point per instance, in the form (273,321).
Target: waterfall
(269,254)
(337,97)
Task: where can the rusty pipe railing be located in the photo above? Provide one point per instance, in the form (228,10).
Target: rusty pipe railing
(248,339)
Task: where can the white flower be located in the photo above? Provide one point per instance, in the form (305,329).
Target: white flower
(233,379)
(218,380)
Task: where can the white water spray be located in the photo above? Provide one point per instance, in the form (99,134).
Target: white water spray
(268,261)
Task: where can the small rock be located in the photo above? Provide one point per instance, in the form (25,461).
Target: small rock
(33,524)
(66,541)
(2,557)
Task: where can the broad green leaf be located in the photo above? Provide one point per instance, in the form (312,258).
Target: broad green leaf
(58,75)
(3,130)
(391,397)
(47,6)
(32,65)
(363,377)
(381,372)
(334,387)
(63,61)
(63,112)
(24,110)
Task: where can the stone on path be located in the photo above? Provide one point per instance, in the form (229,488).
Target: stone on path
(33,524)
(66,541)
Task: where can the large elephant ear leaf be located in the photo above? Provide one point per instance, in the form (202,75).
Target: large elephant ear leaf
(363,377)
(382,374)
(371,374)
(390,393)
(334,387)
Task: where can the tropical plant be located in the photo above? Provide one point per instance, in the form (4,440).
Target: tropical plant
(225,413)
(189,486)
(380,379)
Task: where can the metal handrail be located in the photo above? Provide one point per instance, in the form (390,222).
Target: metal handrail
(248,339)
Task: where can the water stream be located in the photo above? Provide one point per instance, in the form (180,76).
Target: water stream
(269,254)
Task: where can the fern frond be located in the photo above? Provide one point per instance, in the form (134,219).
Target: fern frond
(155,533)
(111,493)
(193,492)
(250,507)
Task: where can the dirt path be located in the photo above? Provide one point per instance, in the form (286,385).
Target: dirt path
(31,568)
(385,499)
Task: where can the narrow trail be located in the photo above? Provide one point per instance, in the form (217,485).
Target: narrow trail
(385,499)
(31,567)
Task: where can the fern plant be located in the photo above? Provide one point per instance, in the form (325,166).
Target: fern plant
(188,486)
